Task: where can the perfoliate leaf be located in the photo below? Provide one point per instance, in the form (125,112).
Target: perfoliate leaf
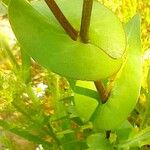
(45,41)
(85,99)
(127,83)
(106,31)
(85,106)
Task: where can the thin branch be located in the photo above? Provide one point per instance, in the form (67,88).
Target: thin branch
(84,29)
(85,22)
(62,19)
(102,90)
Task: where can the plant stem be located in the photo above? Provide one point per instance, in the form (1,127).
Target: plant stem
(102,90)
(62,19)
(84,29)
(85,22)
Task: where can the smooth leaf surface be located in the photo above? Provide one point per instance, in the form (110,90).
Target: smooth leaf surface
(85,106)
(123,131)
(85,99)
(53,49)
(127,84)
(106,31)
(86,88)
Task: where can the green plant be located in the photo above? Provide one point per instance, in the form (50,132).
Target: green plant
(95,53)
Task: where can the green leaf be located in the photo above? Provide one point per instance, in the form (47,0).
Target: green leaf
(106,31)
(51,47)
(85,100)
(72,83)
(127,84)
(85,106)
(87,89)
(124,131)
(98,142)
(87,92)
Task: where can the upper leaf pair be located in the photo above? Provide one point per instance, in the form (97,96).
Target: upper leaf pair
(44,39)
